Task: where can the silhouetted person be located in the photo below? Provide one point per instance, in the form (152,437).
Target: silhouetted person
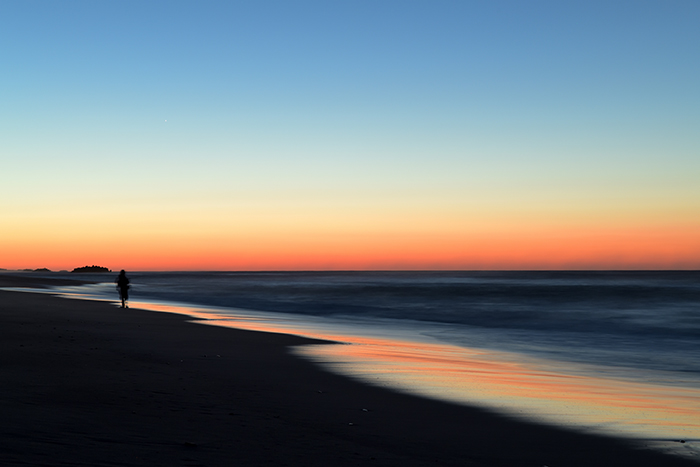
(123,287)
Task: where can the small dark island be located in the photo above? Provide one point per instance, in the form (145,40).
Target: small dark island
(92,268)
(42,270)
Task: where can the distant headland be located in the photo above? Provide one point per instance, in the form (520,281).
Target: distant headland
(92,268)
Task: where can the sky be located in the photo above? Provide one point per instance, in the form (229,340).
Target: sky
(313,135)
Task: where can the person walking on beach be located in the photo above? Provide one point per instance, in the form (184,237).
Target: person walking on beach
(123,287)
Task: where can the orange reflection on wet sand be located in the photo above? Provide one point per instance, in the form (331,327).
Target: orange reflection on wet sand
(521,386)
(564,394)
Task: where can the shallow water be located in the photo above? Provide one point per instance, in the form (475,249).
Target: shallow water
(613,353)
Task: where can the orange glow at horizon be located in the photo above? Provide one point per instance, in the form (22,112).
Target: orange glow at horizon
(671,247)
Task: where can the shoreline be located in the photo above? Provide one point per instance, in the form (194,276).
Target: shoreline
(643,407)
(90,384)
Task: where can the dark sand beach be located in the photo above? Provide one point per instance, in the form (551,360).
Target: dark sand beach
(86,383)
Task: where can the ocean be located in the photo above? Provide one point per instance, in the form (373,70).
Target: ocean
(612,352)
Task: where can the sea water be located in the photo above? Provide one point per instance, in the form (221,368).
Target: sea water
(607,352)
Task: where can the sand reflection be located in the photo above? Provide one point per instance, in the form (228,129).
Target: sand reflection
(563,394)
(524,387)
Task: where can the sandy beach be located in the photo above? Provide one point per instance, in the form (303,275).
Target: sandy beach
(86,383)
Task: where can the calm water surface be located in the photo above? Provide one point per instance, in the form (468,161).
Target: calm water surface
(610,352)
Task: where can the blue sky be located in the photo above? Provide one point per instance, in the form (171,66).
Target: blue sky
(501,106)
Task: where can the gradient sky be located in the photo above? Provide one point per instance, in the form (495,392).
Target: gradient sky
(350,134)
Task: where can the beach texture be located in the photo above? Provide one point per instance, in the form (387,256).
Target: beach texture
(86,383)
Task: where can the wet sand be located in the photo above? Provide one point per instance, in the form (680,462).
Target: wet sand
(85,383)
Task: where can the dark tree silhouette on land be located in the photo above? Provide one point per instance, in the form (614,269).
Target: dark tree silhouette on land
(92,268)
